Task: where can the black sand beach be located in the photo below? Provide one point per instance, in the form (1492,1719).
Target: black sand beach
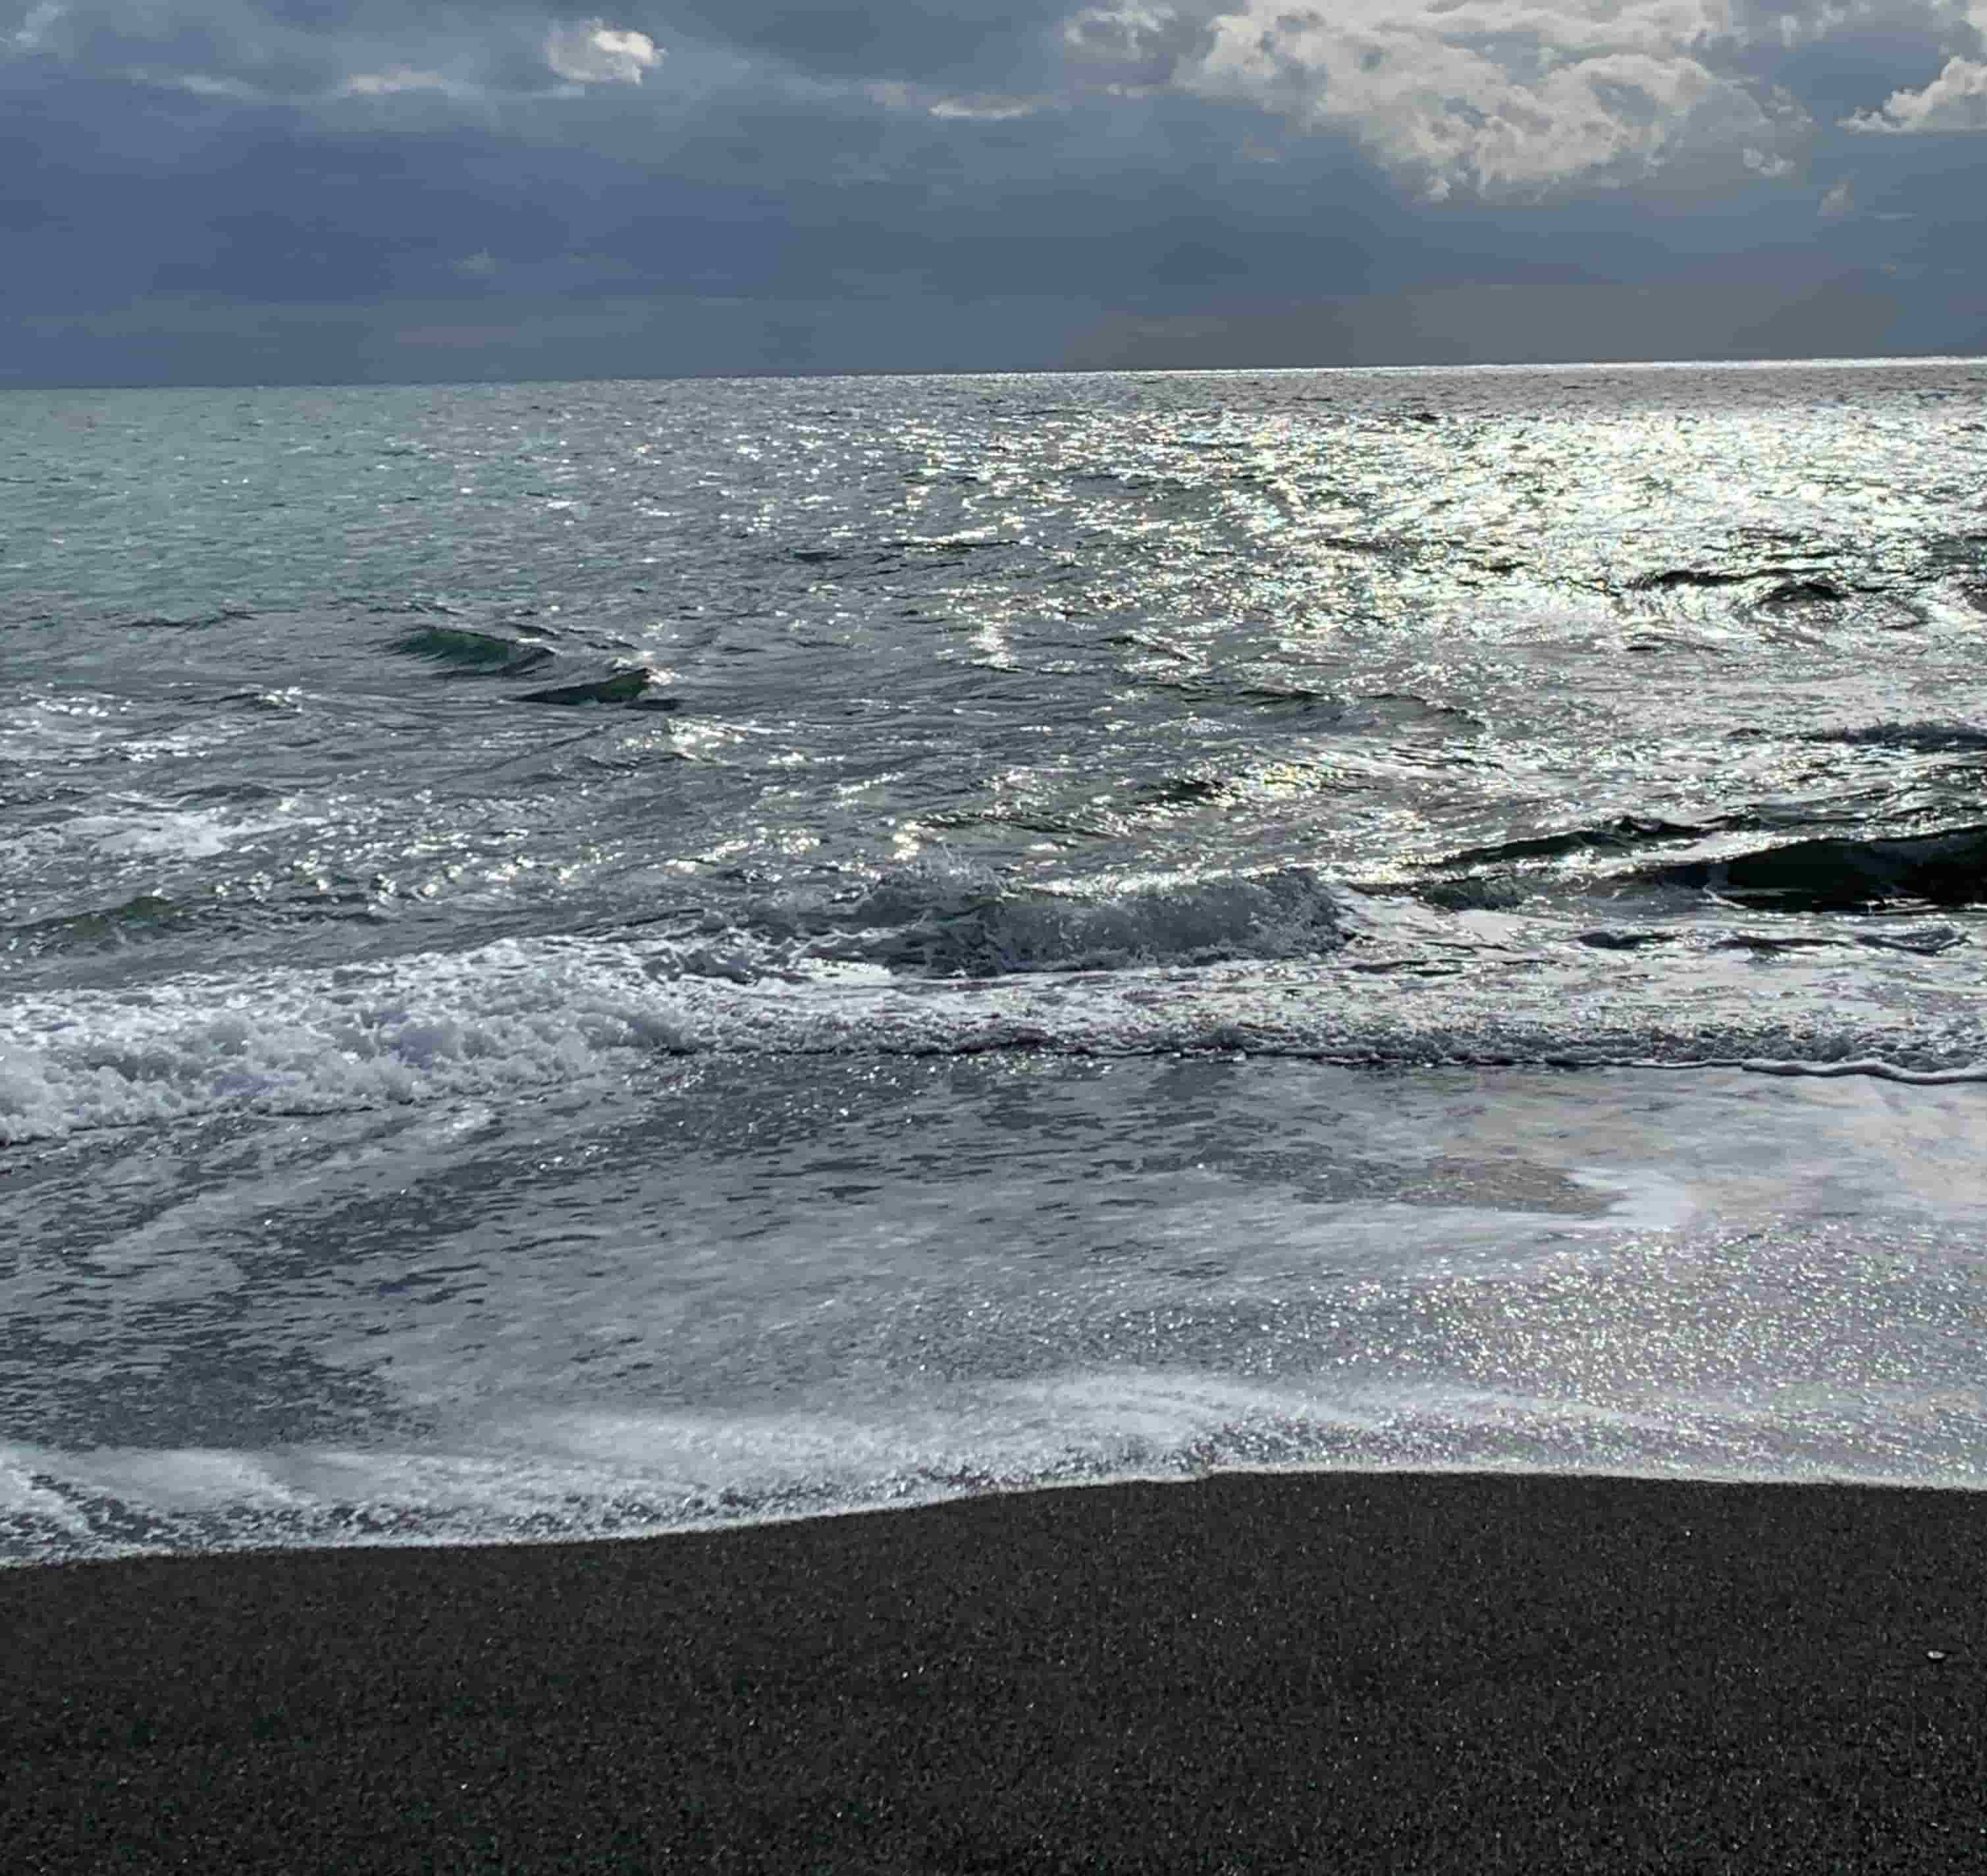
(1329,1672)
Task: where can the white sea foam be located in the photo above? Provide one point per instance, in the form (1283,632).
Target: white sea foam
(506,1018)
(185,835)
(520,1015)
(26,1497)
(465,1330)
(572,1475)
(60,728)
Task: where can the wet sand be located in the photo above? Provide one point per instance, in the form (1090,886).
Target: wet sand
(1336,1672)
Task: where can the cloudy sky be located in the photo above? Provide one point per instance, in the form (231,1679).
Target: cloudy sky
(227,191)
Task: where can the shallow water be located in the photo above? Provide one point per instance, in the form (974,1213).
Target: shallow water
(597,957)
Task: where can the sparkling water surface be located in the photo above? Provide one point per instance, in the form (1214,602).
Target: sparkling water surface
(586,957)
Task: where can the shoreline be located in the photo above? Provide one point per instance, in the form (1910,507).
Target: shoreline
(1328,1471)
(1262,1670)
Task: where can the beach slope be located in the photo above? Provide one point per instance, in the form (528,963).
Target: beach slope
(1333,1671)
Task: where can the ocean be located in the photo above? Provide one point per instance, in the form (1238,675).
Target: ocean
(611,957)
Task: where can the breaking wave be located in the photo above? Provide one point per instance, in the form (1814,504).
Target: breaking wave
(520,1017)
(460,649)
(945,920)
(506,1018)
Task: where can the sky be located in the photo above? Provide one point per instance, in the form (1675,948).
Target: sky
(335,191)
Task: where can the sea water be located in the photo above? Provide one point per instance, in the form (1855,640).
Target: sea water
(579,958)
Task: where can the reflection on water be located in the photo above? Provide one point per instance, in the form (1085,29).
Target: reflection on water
(595,956)
(867,1280)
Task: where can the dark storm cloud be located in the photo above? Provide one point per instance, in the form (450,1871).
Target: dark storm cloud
(365,188)
(915,40)
(297,45)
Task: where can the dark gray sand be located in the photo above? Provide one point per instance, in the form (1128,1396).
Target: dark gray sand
(1338,1672)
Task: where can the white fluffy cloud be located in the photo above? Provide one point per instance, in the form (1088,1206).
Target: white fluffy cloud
(593,52)
(1510,96)
(1955,100)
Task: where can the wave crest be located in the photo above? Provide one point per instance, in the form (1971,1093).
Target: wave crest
(940,919)
(1944,868)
